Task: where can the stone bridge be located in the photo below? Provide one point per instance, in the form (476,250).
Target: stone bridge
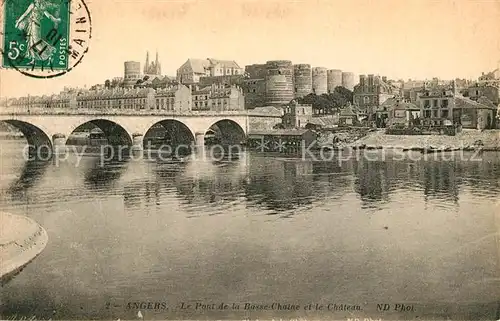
(53,127)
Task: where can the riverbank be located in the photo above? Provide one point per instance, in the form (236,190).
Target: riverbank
(467,139)
(11,135)
(341,137)
(21,241)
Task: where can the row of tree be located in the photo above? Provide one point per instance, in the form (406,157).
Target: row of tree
(329,103)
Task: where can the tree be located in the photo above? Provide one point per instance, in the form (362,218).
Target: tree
(107,84)
(329,103)
(318,102)
(341,97)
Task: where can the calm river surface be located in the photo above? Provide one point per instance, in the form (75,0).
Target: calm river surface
(256,230)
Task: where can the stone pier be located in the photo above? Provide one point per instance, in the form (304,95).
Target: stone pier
(59,144)
(21,240)
(200,140)
(137,142)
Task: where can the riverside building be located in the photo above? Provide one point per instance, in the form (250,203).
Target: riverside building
(439,104)
(218,98)
(175,98)
(193,69)
(371,92)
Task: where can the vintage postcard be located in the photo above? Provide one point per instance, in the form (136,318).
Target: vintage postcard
(250,160)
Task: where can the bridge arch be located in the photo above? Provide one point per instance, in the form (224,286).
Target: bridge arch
(36,136)
(172,132)
(227,132)
(113,132)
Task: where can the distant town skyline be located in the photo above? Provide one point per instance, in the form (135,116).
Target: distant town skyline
(417,39)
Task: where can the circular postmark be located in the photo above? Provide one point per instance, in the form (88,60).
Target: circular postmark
(44,38)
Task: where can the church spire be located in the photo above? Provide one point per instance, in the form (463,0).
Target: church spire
(157,64)
(146,66)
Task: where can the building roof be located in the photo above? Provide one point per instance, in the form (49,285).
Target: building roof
(204,90)
(392,103)
(482,84)
(485,101)
(197,65)
(114,92)
(280,132)
(200,65)
(225,63)
(325,121)
(270,110)
(96,131)
(463,102)
(492,75)
(167,90)
(410,84)
(390,88)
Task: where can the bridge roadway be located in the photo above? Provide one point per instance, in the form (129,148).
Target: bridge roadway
(51,127)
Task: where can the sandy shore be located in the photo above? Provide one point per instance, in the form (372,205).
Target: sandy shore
(488,140)
(21,240)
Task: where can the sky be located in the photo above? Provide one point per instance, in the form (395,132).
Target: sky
(417,39)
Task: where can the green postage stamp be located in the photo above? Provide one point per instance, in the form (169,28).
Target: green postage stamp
(44,38)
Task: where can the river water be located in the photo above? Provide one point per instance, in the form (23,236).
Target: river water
(257,230)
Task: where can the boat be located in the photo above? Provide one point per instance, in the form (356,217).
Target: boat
(21,241)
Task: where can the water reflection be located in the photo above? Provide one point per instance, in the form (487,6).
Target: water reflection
(331,179)
(102,173)
(31,173)
(274,184)
(210,187)
(377,181)
(483,175)
(372,181)
(440,181)
(279,185)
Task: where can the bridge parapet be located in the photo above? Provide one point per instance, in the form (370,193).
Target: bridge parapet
(115,112)
(140,112)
